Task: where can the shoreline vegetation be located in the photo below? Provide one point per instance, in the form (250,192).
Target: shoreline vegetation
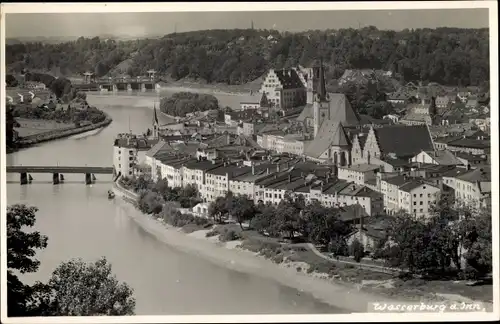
(351,286)
(58,112)
(31,140)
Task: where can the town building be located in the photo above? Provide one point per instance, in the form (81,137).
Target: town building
(129,150)
(443,157)
(358,173)
(417,198)
(284,89)
(392,143)
(471,187)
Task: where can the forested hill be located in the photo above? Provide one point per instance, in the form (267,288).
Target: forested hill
(448,56)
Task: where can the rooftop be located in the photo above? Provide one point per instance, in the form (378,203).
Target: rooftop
(404,141)
(361,167)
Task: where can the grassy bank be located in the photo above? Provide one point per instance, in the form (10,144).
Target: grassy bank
(58,133)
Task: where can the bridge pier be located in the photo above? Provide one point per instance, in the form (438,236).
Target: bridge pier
(88,178)
(55,178)
(129,87)
(24,178)
(115,88)
(143,87)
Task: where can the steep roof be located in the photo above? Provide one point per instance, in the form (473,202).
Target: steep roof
(330,133)
(289,79)
(482,174)
(340,110)
(444,157)
(404,141)
(413,184)
(307,112)
(157,148)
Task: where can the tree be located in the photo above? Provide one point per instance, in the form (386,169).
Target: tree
(263,218)
(241,208)
(80,289)
(357,250)
(321,225)
(21,249)
(101,69)
(217,209)
(75,288)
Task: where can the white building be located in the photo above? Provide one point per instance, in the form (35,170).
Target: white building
(284,89)
(417,198)
(358,173)
(130,150)
(441,157)
(471,187)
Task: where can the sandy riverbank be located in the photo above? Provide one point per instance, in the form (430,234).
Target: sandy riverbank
(232,257)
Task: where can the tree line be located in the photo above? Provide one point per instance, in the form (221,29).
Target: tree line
(455,241)
(68,292)
(449,56)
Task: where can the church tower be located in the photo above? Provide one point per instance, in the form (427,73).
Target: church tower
(155,123)
(321,104)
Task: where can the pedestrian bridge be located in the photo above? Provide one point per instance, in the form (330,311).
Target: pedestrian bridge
(58,171)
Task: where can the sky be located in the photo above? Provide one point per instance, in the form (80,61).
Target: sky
(143,24)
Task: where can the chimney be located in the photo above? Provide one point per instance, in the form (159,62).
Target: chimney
(267,170)
(253,169)
(289,178)
(278,167)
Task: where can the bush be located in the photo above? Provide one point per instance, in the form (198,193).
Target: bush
(212,233)
(469,273)
(357,250)
(228,235)
(338,247)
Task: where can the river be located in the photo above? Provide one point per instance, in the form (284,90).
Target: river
(81,222)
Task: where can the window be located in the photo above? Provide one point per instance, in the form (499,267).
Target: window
(131,152)
(119,165)
(421,210)
(130,173)
(414,210)
(420,195)
(414,195)
(130,165)
(421,203)
(414,203)
(131,158)
(428,195)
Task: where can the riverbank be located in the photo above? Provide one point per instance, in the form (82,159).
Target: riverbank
(59,133)
(345,287)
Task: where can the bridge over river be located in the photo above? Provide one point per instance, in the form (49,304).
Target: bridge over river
(58,171)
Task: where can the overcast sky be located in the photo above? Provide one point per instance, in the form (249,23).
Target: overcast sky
(159,23)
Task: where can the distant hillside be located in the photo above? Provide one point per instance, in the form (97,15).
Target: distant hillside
(448,56)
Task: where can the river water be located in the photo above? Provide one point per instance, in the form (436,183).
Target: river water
(81,222)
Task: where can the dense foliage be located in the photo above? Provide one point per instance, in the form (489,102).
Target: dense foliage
(182,103)
(153,195)
(74,288)
(59,113)
(449,56)
(454,232)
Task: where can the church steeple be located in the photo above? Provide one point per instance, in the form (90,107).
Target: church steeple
(155,122)
(321,94)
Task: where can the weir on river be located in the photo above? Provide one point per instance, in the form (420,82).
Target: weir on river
(81,222)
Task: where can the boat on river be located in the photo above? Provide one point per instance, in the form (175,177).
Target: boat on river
(111,194)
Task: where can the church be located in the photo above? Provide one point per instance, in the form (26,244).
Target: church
(341,138)
(331,117)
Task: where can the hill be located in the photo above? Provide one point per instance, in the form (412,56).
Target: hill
(448,56)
